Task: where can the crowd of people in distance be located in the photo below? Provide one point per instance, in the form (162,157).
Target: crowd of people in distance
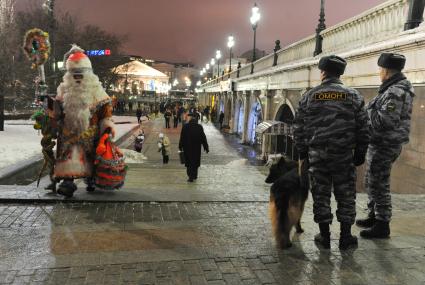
(191,139)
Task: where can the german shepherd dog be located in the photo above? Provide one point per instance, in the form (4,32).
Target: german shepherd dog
(287,198)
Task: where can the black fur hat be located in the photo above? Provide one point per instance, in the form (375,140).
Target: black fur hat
(392,61)
(333,64)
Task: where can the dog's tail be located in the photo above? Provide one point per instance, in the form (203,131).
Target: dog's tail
(279,207)
(282,206)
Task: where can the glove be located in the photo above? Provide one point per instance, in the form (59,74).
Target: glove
(359,156)
(207,150)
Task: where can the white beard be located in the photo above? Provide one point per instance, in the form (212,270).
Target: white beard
(77,100)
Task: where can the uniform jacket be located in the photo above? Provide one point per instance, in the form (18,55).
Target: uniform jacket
(331,116)
(191,138)
(390,112)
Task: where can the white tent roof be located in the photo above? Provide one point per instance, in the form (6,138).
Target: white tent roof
(139,69)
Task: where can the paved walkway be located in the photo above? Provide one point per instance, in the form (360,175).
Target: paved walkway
(214,231)
(153,181)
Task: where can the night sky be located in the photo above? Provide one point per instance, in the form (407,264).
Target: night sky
(191,30)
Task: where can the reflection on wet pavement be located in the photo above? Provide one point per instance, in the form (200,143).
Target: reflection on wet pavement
(210,241)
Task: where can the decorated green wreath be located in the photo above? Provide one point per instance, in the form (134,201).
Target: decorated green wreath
(37,46)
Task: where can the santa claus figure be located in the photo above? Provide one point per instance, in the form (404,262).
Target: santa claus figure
(84,114)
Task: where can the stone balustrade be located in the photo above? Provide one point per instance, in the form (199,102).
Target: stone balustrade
(373,25)
(297,51)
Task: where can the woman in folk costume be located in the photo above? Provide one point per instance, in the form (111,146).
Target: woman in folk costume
(84,114)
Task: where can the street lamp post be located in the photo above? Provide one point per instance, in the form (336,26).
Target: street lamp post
(49,5)
(255,17)
(320,27)
(212,66)
(218,56)
(188,84)
(230,44)
(207,67)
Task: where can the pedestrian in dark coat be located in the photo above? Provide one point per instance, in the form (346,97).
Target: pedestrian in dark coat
(167,116)
(138,115)
(191,138)
(175,118)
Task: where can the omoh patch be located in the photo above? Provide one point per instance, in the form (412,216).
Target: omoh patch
(334,96)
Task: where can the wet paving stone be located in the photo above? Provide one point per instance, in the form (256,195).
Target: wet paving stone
(198,241)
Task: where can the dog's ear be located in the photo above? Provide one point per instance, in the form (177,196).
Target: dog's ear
(269,162)
(281,161)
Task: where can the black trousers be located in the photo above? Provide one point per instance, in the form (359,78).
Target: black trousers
(167,123)
(165,159)
(176,122)
(192,172)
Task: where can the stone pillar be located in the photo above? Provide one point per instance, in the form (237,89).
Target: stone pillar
(231,120)
(238,95)
(206,99)
(219,98)
(265,148)
(226,107)
(247,108)
(202,98)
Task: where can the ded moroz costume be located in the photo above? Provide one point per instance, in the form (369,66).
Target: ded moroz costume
(84,112)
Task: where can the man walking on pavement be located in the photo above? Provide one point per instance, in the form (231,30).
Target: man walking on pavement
(389,119)
(138,114)
(175,118)
(167,116)
(330,124)
(191,138)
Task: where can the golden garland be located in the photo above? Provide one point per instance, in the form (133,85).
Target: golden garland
(36,46)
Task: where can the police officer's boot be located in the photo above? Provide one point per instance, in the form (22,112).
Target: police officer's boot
(380,229)
(368,222)
(346,239)
(324,238)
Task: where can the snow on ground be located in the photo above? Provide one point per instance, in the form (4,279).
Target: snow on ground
(20,141)
(132,156)
(123,124)
(238,162)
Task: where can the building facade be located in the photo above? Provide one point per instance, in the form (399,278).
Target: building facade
(140,83)
(273,91)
